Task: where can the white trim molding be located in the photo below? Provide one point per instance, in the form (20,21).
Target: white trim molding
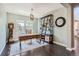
(59,43)
(69,49)
(2,48)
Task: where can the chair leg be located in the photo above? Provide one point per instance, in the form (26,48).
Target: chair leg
(40,40)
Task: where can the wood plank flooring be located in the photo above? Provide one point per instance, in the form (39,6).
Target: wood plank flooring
(47,50)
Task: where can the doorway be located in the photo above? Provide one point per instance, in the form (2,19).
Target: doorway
(76,27)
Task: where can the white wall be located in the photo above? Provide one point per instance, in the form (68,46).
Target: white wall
(39,25)
(62,35)
(2,28)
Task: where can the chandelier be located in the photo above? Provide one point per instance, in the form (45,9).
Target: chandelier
(31,14)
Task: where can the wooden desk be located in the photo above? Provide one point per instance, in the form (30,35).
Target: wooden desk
(36,36)
(31,36)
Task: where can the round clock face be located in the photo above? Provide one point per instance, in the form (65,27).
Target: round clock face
(60,21)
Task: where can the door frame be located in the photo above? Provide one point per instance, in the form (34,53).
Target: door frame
(73,5)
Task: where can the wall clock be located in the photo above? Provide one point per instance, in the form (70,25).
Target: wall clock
(60,21)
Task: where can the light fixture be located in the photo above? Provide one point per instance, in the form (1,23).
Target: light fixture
(31,14)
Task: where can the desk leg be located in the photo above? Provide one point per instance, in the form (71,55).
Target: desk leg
(40,40)
(20,45)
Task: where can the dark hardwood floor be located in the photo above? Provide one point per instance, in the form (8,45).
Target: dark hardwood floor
(47,50)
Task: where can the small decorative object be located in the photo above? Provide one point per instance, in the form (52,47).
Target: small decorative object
(60,21)
(31,14)
(10,27)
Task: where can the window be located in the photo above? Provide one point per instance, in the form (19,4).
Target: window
(29,27)
(21,27)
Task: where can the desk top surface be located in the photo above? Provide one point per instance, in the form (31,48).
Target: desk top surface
(28,35)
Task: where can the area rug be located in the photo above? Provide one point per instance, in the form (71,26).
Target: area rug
(15,48)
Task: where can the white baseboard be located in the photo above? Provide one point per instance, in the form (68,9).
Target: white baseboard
(59,43)
(2,48)
(70,49)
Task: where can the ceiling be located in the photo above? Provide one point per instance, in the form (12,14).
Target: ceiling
(24,8)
